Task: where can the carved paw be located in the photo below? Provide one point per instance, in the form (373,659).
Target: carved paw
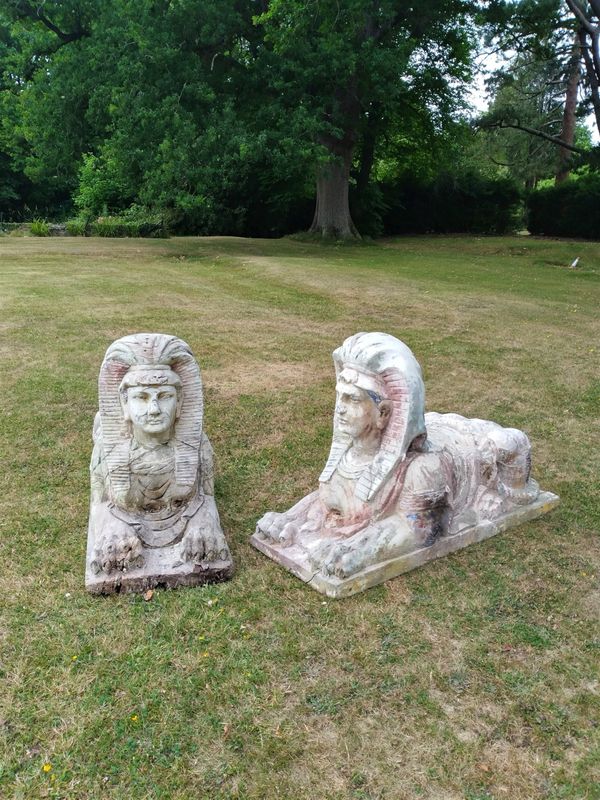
(206,545)
(116,552)
(274,527)
(342,562)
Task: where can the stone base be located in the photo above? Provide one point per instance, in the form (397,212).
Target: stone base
(291,558)
(158,571)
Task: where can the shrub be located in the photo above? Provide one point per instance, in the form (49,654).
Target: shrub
(77,227)
(100,186)
(452,203)
(10,227)
(121,226)
(135,221)
(569,209)
(40,228)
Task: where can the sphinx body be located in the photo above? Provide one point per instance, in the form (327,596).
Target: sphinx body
(400,487)
(153,517)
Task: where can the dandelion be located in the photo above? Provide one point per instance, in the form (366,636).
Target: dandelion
(47,767)
(134,717)
(205,654)
(73,658)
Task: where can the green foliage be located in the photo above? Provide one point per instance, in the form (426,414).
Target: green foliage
(452,203)
(569,209)
(100,189)
(123,226)
(543,88)
(216,117)
(135,221)
(210,116)
(77,227)
(40,228)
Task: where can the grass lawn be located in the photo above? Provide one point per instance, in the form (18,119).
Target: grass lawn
(473,678)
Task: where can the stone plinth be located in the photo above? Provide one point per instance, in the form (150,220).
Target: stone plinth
(294,559)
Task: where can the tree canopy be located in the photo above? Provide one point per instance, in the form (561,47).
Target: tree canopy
(231,116)
(549,80)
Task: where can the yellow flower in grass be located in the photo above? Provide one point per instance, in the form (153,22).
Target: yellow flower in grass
(134,717)
(47,767)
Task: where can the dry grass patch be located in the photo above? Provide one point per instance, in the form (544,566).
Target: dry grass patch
(258,377)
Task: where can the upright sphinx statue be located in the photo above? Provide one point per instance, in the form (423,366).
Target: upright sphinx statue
(400,487)
(153,517)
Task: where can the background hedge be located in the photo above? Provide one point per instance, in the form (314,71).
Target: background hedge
(569,209)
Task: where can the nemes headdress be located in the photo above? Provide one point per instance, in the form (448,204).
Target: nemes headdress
(387,369)
(139,359)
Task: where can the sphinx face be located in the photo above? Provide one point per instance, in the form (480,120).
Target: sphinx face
(356,413)
(152,410)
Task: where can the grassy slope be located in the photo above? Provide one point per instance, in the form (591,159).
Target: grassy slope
(475,677)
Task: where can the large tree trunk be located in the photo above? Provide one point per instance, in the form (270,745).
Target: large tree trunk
(567,133)
(332,212)
(588,18)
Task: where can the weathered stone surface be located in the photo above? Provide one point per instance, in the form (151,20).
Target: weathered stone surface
(400,487)
(294,560)
(153,517)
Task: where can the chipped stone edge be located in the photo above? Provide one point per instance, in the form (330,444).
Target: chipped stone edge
(138,581)
(337,588)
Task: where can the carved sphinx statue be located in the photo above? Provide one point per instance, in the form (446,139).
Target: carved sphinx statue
(400,487)
(153,517)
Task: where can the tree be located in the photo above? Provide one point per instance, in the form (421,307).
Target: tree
(586,16)
(212,110)
(555,54)
(47,80)
(149,90)
(343,73)
(530,95)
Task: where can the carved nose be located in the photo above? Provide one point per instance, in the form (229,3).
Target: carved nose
(154,407)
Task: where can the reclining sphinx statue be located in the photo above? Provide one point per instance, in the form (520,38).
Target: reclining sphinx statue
(153,517)
(400,487)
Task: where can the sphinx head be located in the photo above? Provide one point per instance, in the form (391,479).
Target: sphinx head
(150,388)
(380,394)
(151,398)
(362,411)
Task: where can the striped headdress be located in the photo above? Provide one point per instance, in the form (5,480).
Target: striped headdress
(149,349)
(386,366)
